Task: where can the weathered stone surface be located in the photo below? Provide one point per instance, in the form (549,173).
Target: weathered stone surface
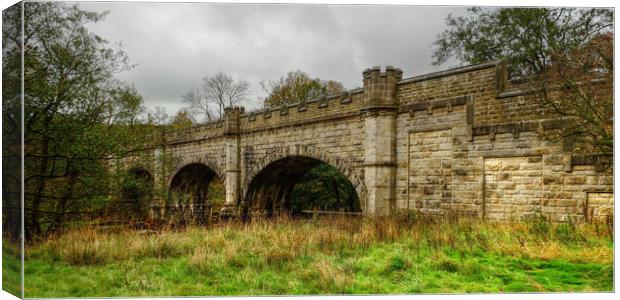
(460,140)
(599,206)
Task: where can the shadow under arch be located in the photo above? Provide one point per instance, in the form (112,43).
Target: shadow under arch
(195,190)
(271,187)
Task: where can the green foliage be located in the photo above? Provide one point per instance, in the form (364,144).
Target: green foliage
(137,191)
(565,53)
(448,265)
(324,188)
(540,227)
(11,128)
(526,37)
(216,194)
(77,117)
(181,120)
(298,87)
(579,87)
(330,256)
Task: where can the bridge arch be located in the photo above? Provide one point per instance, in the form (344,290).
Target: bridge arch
(274,176)
(210,163)
(137,189)
(191,193)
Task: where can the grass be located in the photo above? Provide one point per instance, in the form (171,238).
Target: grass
(340,255)
(11,268)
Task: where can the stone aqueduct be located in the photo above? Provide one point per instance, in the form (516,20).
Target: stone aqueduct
(464,140)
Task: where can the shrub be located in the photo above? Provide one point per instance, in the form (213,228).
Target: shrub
(160,248)
(447,265)
(406,217)
(82,247)
(540,227)
(398,263)
(566,232)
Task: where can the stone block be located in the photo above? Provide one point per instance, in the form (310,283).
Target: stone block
(553,180)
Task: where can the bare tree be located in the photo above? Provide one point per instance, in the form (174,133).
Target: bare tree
(218,92)
(222,90)
(198,105)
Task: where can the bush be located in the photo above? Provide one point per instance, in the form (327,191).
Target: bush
(406,217)
(567,232)
(398,263)
(448,266)
(540,227)
(159,247)
(81,248)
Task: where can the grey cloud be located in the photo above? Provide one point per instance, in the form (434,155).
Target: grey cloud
(177,44)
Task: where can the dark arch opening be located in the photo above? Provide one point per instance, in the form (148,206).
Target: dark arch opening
(195,193)
(298,183)
(137,192)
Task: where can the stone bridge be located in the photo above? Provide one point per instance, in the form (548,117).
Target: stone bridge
(464,140)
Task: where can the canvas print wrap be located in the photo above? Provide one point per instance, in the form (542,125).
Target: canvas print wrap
(218,149)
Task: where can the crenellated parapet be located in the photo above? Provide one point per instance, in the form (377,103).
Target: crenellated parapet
(331,107)
(203,131)
(464,140)
(380,88)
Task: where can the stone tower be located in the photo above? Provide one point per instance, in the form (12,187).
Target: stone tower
(380,110)
(233,167)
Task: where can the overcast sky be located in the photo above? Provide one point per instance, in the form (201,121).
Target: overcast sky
(175,45)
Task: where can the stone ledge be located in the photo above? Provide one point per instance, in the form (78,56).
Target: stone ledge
(449,72)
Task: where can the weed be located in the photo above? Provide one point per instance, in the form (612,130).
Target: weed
(447,265)
(540,227)
(398,263)
(566,232)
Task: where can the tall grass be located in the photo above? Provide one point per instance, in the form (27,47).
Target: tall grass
(278,241)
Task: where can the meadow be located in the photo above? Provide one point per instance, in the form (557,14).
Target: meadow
(405,254)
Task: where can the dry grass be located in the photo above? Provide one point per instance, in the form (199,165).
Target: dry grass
(281,240)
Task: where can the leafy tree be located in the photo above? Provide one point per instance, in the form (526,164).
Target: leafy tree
(579,88)
(526,37)
(182,120)
(136,193)
(297,87)
(77,117)
(218,92)
(11,130)
(566,51)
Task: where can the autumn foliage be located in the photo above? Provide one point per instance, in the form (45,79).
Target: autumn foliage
(578,86)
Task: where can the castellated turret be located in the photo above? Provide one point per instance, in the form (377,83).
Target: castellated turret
(380,87)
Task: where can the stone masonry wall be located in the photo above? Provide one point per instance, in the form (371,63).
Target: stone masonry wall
(466,142)
(495,165)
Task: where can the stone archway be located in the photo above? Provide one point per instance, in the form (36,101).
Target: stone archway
(191,192)
(210,163)
(272,179)
(137,191)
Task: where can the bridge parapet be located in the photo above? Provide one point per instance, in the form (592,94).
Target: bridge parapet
(461,140)
(197,132)
(344,105)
